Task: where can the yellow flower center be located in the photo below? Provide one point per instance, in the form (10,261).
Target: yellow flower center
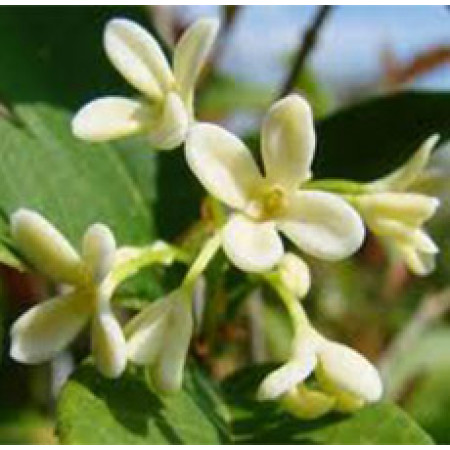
(268,204)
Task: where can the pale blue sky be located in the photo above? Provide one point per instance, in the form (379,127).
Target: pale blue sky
(351,43)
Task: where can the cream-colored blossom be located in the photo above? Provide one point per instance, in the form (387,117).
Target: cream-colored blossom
(158,338)
(398,217)
(165,112)
(47,328)
(319,223)
(346,379)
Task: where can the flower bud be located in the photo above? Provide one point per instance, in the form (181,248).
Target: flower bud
(295,274)
(307,404)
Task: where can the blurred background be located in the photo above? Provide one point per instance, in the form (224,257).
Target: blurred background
(337,57)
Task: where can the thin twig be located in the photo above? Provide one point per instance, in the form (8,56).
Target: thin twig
(307,45)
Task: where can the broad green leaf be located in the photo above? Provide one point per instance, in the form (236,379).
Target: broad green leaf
(256,423)
(62,48)
(370,139)
(55,54)
(429,403)
(43,167)
(50,57)
(95,410)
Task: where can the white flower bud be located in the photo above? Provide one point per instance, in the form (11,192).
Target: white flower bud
(295,274)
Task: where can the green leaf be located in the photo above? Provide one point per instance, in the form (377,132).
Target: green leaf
(74,185)
(43,166)
(95,410)
(370,139)
(62,47)
(255,423)
(53,63)
(429,403)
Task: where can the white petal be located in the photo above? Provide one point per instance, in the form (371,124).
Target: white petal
(285,378)
(190,55)
(423,243)
(46,248)
(350,371)
(145,332)
(295,274)
(407,174)
(109,118)
(323,225)
(168,371)
(108,344)
(223,164)
(169,130)
(288,141)
(252,246)
(411,209)
(138,57)
(420,263)
(98,251)
(46,329)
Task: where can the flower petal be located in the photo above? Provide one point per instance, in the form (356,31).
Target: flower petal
(109,118)
(408,173)
(350,371)
(284,379)
(108,344)
(138,57)
(404,235)
(411,209)
(169,130)
(145,332)
(288,141)
(99,248)
(47,328)
(419,262)
(167,374)
(190,55)
(46,248)
(323,225)
(251,246)
(223,164)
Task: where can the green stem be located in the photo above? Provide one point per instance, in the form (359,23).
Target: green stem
(338,186)
(290,301)
(199,265)
(146,256)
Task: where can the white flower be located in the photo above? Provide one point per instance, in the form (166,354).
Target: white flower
(399,217)
(159,337)
(319,223)
(342,373)
(165,114)
(46,329)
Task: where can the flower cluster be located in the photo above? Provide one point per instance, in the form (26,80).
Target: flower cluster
(263,204)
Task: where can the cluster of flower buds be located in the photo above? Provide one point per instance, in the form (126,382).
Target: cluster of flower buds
(324,223)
